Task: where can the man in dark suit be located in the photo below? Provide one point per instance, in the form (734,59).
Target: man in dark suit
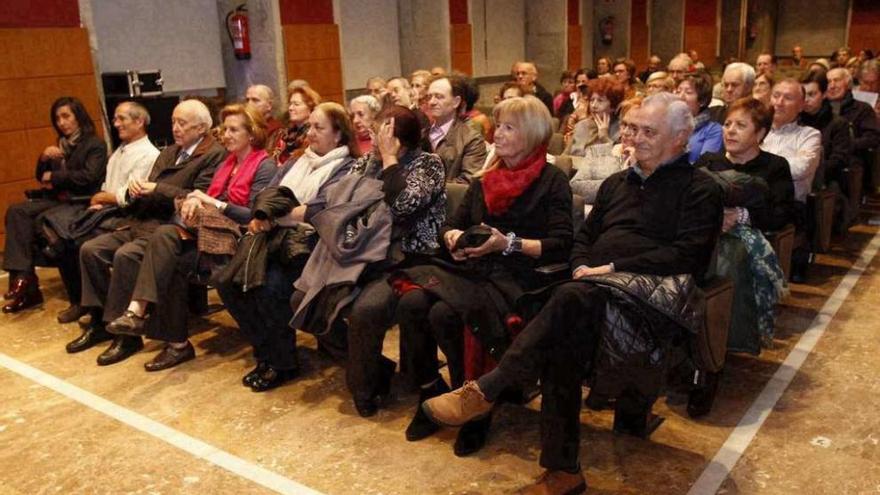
(461,148)
(186,165)
(526,75)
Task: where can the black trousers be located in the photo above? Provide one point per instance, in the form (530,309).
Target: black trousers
(21,233)
(263,315)
(374,311)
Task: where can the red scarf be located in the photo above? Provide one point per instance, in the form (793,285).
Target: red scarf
(238,188)
(502,185)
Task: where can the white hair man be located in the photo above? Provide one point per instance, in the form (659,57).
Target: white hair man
(186,165)
(860,115)
(736,82)
(659,217)
(680,65)
(526,74)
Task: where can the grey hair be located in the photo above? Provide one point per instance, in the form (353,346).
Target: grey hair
(370,101)
(376,79)
(872,65)
(678,115)
(846,75)
(270,95)
(402,80)
(137,111)
(199,111)
(747,72)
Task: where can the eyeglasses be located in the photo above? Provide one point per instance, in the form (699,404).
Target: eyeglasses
(632,130)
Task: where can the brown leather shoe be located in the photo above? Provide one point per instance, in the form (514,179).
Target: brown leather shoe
(128,324)
(25,299)
(73,313)
(170,357)
(459,406)
(556,483)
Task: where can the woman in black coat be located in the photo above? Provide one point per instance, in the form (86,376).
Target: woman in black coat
(73,168)
(513,219)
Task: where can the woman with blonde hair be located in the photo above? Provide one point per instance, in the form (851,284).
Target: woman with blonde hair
(514,217)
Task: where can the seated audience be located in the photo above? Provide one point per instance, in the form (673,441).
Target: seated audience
(836,144)
(156,293)
(399,92)
(680,65)
(801,146)
(696,90)
(415,191)
(187,165)
(760,199)
(376,86)
(511,89)
(259,299)
(860,115)
(74,166)
(566,108)
(797,57)
(763,86)
(513,218)
(461,148)
(766,64)
(659,82)
(601,126)
(660,218)
(603,160)
(566,88)
(526,74)
(262,98)
(603,66)
(293,141)
(419,81)
(869,80)
(473,117)
(363,111)
(737,82)
(655,64)
(625,73)
(131,161)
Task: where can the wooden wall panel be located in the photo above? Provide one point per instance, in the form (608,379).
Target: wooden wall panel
(311,52)
(306,11)
(575,47)
(39,13)
(37,66)
(864,23)
(701,29)
(461,47)
(639,33)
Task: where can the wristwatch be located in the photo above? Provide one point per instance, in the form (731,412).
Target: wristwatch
(514,244)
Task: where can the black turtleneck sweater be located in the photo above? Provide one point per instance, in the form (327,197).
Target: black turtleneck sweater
(836,142)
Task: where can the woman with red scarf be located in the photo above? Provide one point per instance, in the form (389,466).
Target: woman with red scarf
(246,170)
(514,218)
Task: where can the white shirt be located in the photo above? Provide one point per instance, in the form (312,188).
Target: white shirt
(130,161)
(802,147)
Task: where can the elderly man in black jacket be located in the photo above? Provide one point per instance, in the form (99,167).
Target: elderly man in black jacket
(660,217)
(860,115)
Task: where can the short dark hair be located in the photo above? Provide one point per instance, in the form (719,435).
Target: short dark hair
(702,83)
(407,127)
(471,93)
(761,115)
(458,84)
(85,122)
(566,74)
(629,64)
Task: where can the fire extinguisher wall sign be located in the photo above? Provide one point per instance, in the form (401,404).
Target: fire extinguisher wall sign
(237,28)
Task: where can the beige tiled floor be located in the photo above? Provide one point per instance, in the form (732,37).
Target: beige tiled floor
(822,437)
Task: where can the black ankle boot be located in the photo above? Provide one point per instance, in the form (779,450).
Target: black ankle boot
(421,426)
(472,436)
(370,406)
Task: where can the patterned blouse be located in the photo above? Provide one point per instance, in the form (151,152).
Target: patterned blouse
(415,189)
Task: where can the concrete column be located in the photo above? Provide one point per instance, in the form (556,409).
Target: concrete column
(667,28)
(424,34)
(546,39)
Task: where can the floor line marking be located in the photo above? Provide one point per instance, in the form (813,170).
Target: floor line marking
(198,448)
(742,435)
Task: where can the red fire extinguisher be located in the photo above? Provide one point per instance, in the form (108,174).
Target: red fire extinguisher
(237,28)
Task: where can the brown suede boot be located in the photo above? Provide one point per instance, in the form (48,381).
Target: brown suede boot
(556,483)
(459,406)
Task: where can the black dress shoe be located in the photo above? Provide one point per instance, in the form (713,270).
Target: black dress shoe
(272,378)
(248,380)
(598,402)
(73,313)
(28,298)
(122,347)
(472,436)
(421,425)
(90,337)
(170,357)
(128,324)
(370,406)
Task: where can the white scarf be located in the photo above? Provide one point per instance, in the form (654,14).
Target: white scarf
(311,171)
